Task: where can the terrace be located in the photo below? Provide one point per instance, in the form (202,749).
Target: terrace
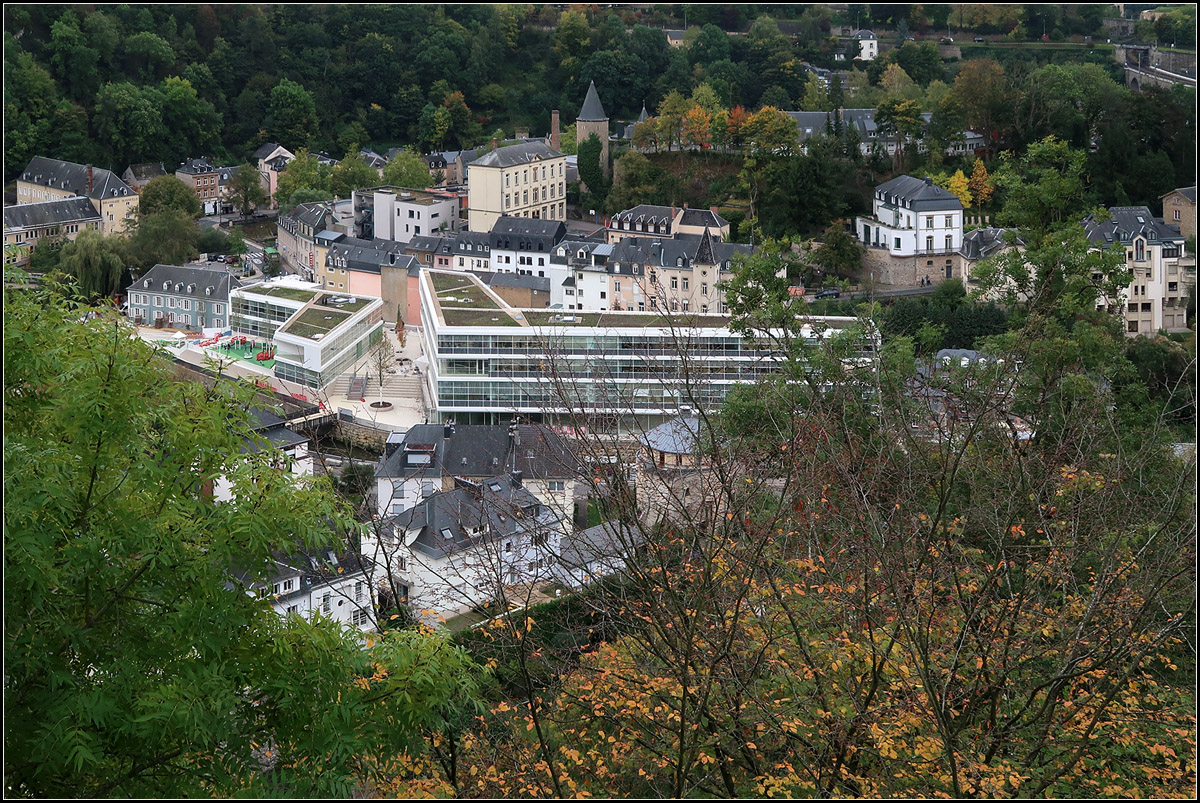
(625,319)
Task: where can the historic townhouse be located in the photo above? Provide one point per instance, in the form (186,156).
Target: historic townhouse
(181,298)
(29,224)
(526,180)
(1156,299)
(54,180)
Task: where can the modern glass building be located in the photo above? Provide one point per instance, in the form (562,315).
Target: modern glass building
(316,335)
(489,362)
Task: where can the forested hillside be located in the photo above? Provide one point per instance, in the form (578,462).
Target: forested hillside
(116,85)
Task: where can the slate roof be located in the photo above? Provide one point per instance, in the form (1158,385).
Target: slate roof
(265,150)
(50,213)
(1127,222)
(983,243)
(521,153)
(864,34)
(593,110)
(145,171)
(312,214)
(60,175)
(702,217)
(685,250)
(368,256)
(677,436)
(183,278)
(372,158)
(509,227)
(314,568)
(480,450)
(1187,192)
(607,541)
(648,213)
(921,195)
(521,280)
(474,514)
(195,167)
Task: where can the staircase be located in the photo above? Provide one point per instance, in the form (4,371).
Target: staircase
(395,387)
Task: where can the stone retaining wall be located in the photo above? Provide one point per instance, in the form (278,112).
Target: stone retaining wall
(359,435)
(882,269)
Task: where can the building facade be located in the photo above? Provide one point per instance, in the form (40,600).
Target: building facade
(55,180)
(525,180)
(178,297)
(1163,271)
(1179,210)
(27,225)
(204,179)
(912,217)
(593,120)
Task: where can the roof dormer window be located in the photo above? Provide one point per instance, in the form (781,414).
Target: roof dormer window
(166,285)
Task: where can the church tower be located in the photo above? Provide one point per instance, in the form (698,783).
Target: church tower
(593,120)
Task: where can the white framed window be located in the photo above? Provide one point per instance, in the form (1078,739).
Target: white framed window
(326,604)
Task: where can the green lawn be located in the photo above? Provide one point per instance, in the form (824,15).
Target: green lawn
(293,293)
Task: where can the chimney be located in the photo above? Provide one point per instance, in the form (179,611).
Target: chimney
(89,189)
(928,181)
(555,138)
(448,429)
(685,206)
(516,479)
(495,143)
(713,209)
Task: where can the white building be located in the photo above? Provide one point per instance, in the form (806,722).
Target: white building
(399,214)
(334,583)
(525,180)
(289,450)
(868,45)
(912,217)
(427,459)
(1156,299)
(458,549)
(316,335)
(489,362)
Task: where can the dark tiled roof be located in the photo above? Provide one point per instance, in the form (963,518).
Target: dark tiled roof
(60,175)
(983,243)
(368,255)
(195,166)
(265,150)
(509,226)
(604,542)
(1187,192)
(197,279)
(50,213)
(648,213)
(1127,222)
(522,153)
(864,34)
(702,217)
(142,173)
(684,250)
(475,513)
(922,195)
(593,110)
(481,450)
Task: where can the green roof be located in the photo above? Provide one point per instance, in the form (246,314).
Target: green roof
(623,319)
(478,317)
(294,293)
(315,321)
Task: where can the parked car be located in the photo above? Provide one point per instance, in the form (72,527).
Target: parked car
(830,293)
(978,38)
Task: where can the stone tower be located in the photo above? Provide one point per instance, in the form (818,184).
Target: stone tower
(593,120)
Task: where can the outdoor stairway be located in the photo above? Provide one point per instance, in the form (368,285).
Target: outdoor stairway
(357,388)
(395,387)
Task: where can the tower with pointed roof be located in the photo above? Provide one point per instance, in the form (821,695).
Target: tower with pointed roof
(593,120)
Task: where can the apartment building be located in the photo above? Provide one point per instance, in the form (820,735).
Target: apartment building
(27,225)
(524,180)
(661,222)
(1163,271)
(1179,210)
(911,217)
(181,297)
(399,213)
(55,180)
(204,180)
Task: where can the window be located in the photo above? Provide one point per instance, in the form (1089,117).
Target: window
(508,546)
(674,283)
(616,287)
(949,221)
(1177,214)
(929,222)
(685,283)
(897,241)
(400,566)
(557,485)
(949,242)
(287,585)
(929,243)
(326,605)
(703,288)
(1139,250)
(358,592)
(360,617)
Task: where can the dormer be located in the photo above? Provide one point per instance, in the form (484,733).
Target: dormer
(166,285)
(178,287)
(208,291)
(191,288)
(147,283)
